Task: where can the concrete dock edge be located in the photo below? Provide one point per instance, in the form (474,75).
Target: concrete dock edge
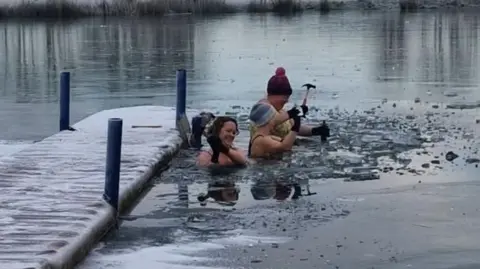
(72,254)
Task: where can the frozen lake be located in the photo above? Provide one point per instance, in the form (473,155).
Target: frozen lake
(357,59)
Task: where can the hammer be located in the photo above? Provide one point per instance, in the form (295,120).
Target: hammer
(309,86)
(327,134)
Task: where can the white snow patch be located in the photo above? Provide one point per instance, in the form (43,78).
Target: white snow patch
(181,255)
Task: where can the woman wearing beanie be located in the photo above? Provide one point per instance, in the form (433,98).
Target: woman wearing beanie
(264,143)
(278,94)
(221,136)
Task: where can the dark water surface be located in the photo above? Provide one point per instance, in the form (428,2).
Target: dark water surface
(390,86)
(353,57)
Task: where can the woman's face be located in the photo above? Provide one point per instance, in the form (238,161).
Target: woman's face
(283,100)
(228,133)
(279,101)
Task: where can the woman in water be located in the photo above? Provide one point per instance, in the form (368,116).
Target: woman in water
(264,142)
(222,152)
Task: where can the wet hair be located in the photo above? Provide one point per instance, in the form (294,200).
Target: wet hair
(218,124)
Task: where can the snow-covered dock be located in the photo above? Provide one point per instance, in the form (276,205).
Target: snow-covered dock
(52,211)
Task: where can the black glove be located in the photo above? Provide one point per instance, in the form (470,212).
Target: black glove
(322,131)
(296,124)
(293,112)
(304,109)
(217,145)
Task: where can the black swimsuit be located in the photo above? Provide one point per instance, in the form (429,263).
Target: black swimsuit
(250,144)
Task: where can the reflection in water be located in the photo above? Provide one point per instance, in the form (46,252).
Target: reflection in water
(120,54)
(226,191)
(273,189)
(183,193)
(118,62)
(114,64)
(394,53)
(223,192)
(438,49)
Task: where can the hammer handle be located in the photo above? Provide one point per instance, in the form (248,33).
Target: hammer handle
(305,98)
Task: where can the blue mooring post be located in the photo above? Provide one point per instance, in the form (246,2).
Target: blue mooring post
(112,171)
(64,101)
(181,93)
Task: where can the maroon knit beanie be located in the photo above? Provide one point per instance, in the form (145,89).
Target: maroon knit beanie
(278,84)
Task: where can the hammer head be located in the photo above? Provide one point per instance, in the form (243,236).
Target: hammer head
(309,86)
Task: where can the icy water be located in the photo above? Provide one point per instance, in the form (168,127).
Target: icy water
(391,87)
(353,57)
(390,161)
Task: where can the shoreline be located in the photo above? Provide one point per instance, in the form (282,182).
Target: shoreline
(204,8)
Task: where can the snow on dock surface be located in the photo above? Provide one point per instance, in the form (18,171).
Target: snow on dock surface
(51,192)
(9,147)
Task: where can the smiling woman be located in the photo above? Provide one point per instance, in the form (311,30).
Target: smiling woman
(221,136)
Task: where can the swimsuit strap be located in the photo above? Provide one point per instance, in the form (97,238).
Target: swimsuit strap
(251,142)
